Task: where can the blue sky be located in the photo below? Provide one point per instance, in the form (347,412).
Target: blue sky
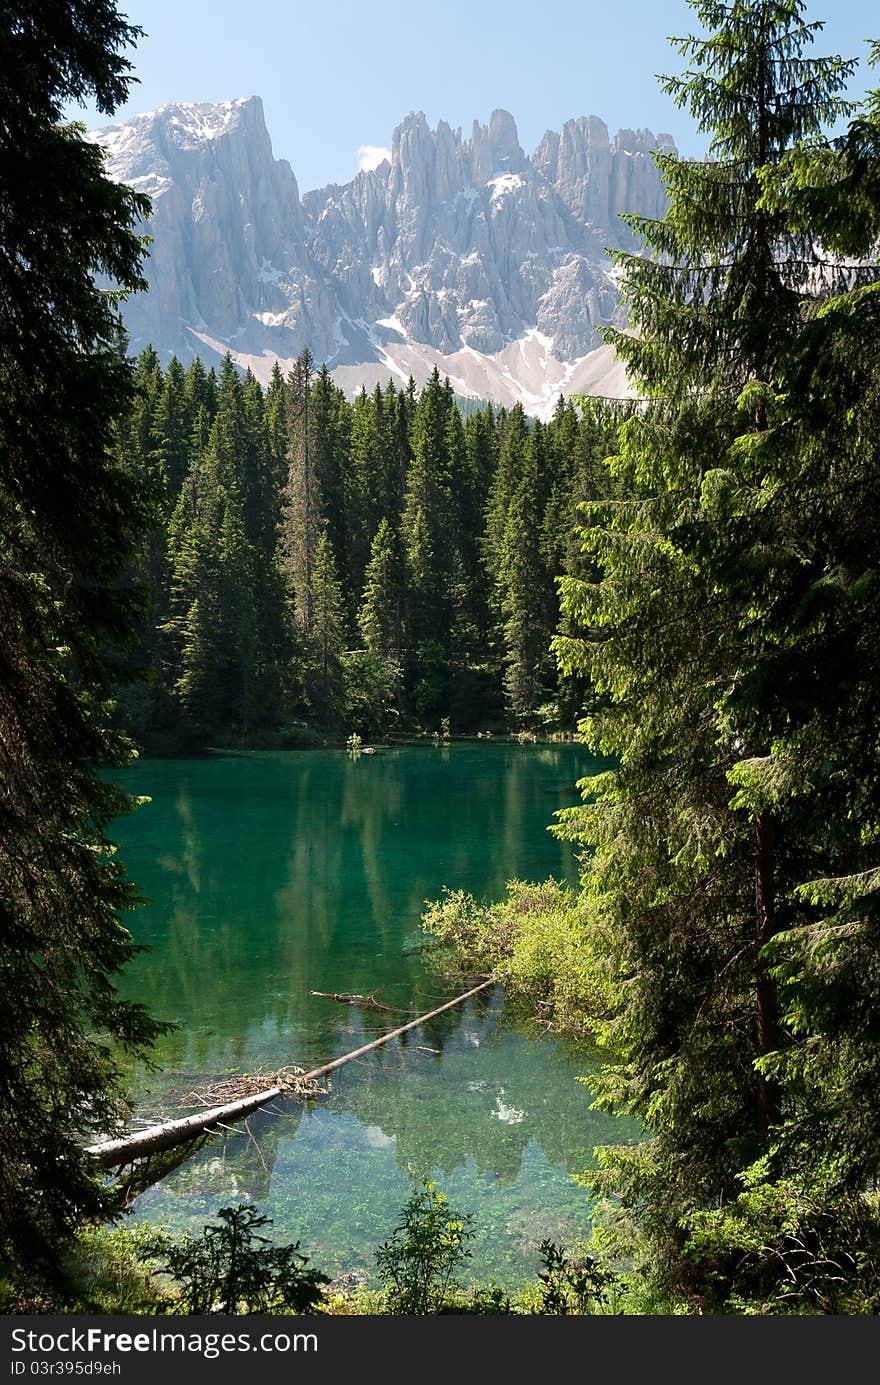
(337,77)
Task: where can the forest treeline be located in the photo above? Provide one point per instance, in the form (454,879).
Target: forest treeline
(380,564)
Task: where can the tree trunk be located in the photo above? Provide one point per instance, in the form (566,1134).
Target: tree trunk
(115,1153)
(767,1027)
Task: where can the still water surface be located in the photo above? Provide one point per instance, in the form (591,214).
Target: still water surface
(274,874)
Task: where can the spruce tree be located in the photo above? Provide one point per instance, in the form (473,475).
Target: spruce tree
(703,835)
(171,434)
(525,633)
(326,644)
(427,539)
(379,618)
(513,431)
(142,450)
(71,518)
(276,425)
(470,501)
(525,591)
(194,637)
(816,693)
(331,415)
(200,401)
(226,627)
(300,526)
(362,473)
(388,488)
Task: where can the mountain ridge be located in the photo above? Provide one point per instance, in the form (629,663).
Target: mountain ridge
(467,254)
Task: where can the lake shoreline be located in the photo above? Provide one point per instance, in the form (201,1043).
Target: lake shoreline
(176,748)
(274,878)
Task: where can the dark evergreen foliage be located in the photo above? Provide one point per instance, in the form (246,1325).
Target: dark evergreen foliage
(732,630)
(71,518)
(440,538)
(231,1268)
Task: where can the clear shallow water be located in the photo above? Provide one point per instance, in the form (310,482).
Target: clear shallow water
(274,874)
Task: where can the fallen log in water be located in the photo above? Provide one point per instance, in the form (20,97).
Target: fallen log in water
(112,1154)
(365,1002)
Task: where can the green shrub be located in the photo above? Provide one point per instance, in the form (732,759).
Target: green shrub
(418,1260)
(371,691)
(106,1269)
(786,1248)
(230,1268)
(536,941)
(570,1285)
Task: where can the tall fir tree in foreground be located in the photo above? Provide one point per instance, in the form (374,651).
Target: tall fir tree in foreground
(711,633)
(70,519)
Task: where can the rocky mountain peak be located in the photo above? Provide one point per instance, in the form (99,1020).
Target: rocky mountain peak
(501,141)
(463,253)
(598,178)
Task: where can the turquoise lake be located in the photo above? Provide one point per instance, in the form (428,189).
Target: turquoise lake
(271,875)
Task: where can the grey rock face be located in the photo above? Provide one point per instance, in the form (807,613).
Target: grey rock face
(459,245)
(230,259)
(599,179)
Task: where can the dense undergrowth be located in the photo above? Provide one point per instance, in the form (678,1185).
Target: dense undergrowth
(231,1266)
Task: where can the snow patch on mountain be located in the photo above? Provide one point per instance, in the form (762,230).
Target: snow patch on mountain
(504,183)
(460,253)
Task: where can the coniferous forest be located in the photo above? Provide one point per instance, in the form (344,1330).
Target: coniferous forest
(377,565)
(691,578)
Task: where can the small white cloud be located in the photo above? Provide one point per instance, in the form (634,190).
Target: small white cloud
(371,155)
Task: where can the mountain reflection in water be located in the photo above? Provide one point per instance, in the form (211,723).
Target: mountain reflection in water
(272,875)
